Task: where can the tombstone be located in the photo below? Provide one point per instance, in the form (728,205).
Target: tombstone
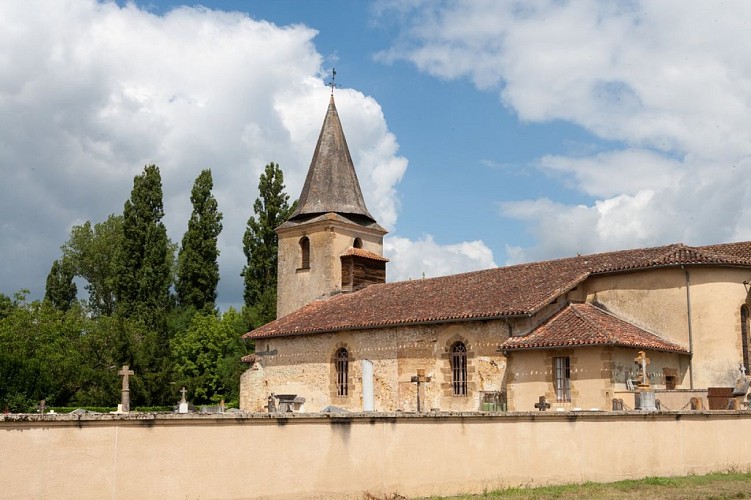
(542,404)
(271,404)
(644,398)
(124,406)
(617,404)
(182,406)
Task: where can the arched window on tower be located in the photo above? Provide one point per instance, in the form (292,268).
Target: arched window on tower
(459,369)
(744,336)
(342,372)
(305,252)
(357,243)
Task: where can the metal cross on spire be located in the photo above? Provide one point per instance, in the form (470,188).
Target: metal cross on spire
(332,82)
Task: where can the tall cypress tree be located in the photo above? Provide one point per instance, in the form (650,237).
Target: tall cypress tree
(61,290)
(260,244)
(198,270)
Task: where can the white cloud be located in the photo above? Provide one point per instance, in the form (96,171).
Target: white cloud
(425,258)
(667,79)
(91,92)
(614,172)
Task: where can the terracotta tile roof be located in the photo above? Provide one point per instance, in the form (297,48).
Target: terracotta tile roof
(493,293)
(361,252)
(740,249)
(578,325)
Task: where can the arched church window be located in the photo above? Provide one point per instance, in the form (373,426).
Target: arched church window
(459,369)
(342,372)
(744,336)
(357,243)
(305,252)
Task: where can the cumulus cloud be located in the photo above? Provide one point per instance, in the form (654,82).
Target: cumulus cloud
(91,92)
(425,258)
(666,81)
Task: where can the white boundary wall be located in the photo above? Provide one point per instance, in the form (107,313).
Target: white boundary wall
(309,456)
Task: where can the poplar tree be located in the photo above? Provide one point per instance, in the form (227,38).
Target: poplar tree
(260,244)
(142,288)
(198,270)
(144,264)
(61,290)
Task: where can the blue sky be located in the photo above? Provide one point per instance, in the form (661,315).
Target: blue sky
(484,133)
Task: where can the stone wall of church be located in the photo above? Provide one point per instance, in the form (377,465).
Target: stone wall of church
(298,286)
(532,373)
(305,365)
(597,376)
(656,300)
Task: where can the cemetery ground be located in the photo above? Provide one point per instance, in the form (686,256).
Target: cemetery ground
(716,486)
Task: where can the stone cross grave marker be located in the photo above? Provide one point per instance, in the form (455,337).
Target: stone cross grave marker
(642,360)
(418,379)
(542,405)
(125,372)
(182,407)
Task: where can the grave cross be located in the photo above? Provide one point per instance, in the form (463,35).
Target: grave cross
(542,405)
(183,391)
(125,372)
(642,360)
(418,379)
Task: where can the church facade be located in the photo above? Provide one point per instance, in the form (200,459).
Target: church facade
(567,329)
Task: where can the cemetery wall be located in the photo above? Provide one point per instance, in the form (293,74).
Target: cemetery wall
(305,456)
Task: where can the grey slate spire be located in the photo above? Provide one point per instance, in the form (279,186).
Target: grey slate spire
(331,184)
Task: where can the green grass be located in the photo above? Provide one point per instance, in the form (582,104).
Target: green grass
(716,486)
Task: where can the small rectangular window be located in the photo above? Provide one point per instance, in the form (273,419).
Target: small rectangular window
(562,380)
(669,382)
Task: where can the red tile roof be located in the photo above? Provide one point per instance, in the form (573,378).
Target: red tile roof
(493,293)
(361,252)
(581,325)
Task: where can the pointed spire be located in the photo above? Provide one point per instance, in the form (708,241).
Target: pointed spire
(331,184)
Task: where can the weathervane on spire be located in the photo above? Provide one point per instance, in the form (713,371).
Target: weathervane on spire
(332,82)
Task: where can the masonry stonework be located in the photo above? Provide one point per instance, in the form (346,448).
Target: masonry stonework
(304,365)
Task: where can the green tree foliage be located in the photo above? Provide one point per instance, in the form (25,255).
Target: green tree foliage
(206,357)
(39,354)
(144,264)
(197,268)
(260,244)
(93,253)
(61,290)
(6,305)
(142,288)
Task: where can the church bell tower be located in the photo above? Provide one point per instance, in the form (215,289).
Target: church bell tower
(330,244)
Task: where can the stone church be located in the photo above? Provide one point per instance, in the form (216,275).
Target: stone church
(493,340)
